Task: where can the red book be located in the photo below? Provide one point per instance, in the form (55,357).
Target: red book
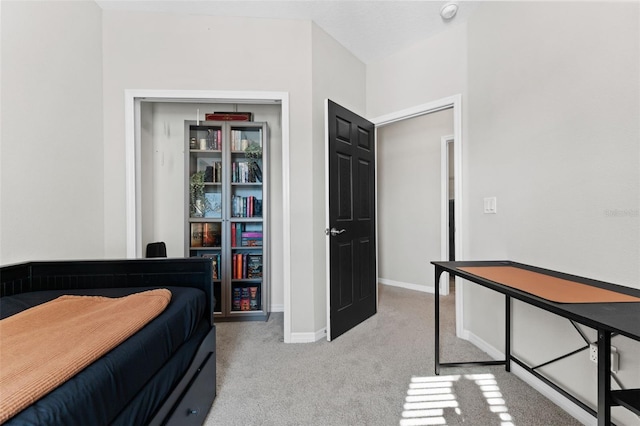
(229,116)
(233,235)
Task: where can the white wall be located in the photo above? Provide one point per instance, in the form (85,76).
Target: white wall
(550,116)
(164,51)
(432,69)
(339,76)
(51,170)
(409,193)
(553,133)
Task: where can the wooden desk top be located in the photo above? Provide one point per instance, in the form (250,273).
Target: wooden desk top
(597,304)
(548,287)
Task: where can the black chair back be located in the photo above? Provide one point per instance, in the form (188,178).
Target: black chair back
(158,249)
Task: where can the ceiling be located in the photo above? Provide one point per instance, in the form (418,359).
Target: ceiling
(371,30)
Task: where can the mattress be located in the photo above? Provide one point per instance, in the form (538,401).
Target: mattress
(123,386)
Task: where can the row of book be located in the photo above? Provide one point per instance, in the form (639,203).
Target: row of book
(212,141)
(246,206)
(240,236)
(246,266)
(205,235)
(246,172)
(246,299)
(213,173)
(240,141)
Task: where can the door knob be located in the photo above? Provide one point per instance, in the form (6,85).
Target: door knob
(333,231)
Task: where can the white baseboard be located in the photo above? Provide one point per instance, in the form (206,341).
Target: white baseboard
(554,396)
(409,286)
(309,337)
(277,308)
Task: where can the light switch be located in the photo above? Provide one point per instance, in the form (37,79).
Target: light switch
(490,205)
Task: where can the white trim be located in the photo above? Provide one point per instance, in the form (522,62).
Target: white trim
(132,149)
(277,308)
(418,110)
(554,396)
(130,174)
(327,246)
(454,102)
(308,337)
(409,286)
(444,209)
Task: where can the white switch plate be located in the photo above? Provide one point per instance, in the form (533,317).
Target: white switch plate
(490,205)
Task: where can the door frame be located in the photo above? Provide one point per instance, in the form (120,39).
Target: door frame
(132,99)
(444,207)
(454,102)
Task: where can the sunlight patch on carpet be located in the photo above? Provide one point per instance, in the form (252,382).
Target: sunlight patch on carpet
(428,397)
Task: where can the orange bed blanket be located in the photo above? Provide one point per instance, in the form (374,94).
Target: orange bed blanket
(42,347)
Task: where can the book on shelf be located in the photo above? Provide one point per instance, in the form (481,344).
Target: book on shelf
(241,266)
(229,116)
(236,229)
(241,139)
(237,297)
(246,172)
(254,265)
(214,139)
(197,230)
(251,239)
(214,205)
(211,235)
(215,264)
(254,304)
(246,298)
(212,173)
(217,171)
(250,206)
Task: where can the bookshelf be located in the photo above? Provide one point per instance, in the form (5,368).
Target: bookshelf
(226,200)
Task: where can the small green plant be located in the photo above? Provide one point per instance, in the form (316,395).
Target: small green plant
(253,153)
(198,202)
(253,150)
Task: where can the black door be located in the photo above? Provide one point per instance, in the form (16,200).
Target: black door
(352,247)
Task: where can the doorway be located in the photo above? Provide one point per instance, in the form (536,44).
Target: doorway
(133,168)
(447,203)
(455,103)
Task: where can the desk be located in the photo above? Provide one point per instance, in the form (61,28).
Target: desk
(607,318)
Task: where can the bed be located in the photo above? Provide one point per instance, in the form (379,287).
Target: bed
(165,374)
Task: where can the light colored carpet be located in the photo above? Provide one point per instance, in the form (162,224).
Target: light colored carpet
(379,373)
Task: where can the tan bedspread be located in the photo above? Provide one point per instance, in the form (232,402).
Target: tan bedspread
(42,347)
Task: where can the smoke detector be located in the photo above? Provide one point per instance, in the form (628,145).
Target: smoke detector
(449,10)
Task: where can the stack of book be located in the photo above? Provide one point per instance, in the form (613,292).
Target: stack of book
(241,236)
(246,266)
(246,206)
(213,173)
(251,239)
(245,299)
(246,172)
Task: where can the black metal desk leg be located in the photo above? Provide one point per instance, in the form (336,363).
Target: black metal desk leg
(604,378)
(436,320)
(507,332)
